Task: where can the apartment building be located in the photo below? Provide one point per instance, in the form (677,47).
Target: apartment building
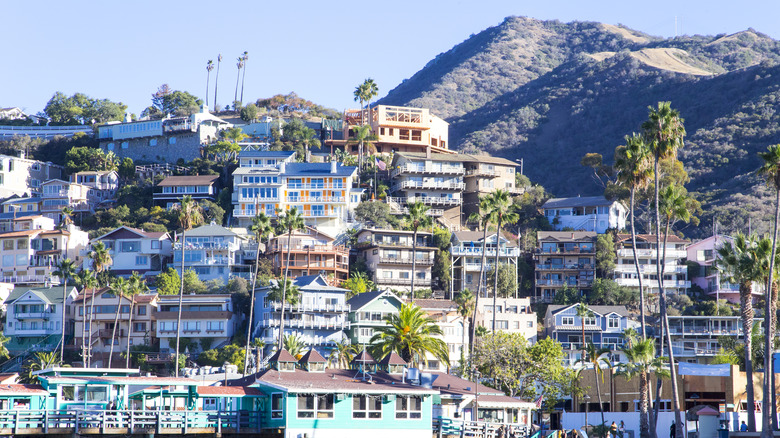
(319,319)
(455,330)
(20,176)
(604,329)
(34,318)
(398,129)
(172,189)
(466,253)
(25,221)
(696,339)
(213,252)
(161,141)
(389,256)
(484,175)
(30,256)
(104,184)
(564,259)
(589,213)
(94,313)
(58,194)
(311,252)
(675,271)
(321,192)
(513,315)
(368,311)
(134,250)
(705,253)
(22,205)
(208,321)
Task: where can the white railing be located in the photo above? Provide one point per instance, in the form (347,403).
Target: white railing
(312,307)
(651,269)
(29,279)
(490,252)
(411,168)
(432,185)
(231,246)
(257,199)
(306,186)
(653,284)
(670,253)
(310,199)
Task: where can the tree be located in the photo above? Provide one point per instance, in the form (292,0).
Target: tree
(739,262)
(357,284)
(100,257)
(127,169)
(192,283)
(81,109)
(189,217)
(135,285)
(664,132)
(583,311)
(507,280)
(416,218)
(239,66)
(212,212)
(606,292)
(375,213)
(288,222)
(216,81)
(294,345)
(605,255)
(442,268)
(502,210)
(258,344)
(465,302)
(249,113)
(4,355)
(641,361)
(120,288)
(770,169)
(412,335)
(341,355)
(260,228)
(244,58)
(67,218)
(40,361)
(66,268)
(209,67)
(483,218)
(87,280)
(168,282)
(84,158)
(364,137)
(174,102)
(595,357)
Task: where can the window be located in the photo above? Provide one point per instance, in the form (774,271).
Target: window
(139,327)
(153,142)
(408,407)
(315,406)
(567,320)
(191,326)
(124,145)
(172,140)
(141,310)
(613,323)
(403,134)
(167,326)
(590,321)
(141,260)
(367,406)
(156,244)
(215,325)
(8,245)
(21,244)
(131,246)
(502,325)
(277,405)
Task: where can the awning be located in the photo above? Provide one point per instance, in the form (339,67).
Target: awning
(695,369)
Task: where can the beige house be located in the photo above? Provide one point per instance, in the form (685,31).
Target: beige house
(484,175)
(20,176)
(311,252)
(564,259)
(29,256)
(455,330)
(58,194)
(389,257)
(513,315)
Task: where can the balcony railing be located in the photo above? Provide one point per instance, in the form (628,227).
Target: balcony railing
(591,250)
(304,308)
(651,269)
(257,199)
(314,264)
(653,284)
(307,186)
(564,267)
(302,324)
(230,246)
(428,168)
(476,250)
(428,200)
(482,172)
(403,281)
(550,282)
(670,253)
(405,261)
(33,315)
(29,279)
(314,199)
(422,185)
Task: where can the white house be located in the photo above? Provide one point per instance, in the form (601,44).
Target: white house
(131,249)
(208,321)
(20,176)
(213,252)
(34,317)
(592,213)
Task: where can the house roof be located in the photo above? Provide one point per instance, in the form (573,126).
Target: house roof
(315,283)
(312,356)
(210,230)
(650,238)
(317,169)
(282,356)
(188,180)
(23,233)
(450,384)
(236,391)
(17,389)
(89,293)
(601,310)
(566,236)
(434,304)
(141,233)
(129,380)
(476,236)
(577,201)
(332,381)
(361,300)
(269,154)
(49,295)
(392,359)
(364,358)
(463,158)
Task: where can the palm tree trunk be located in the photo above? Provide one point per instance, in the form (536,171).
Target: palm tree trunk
(284,289)
(208,76)
(216,85)
(181,303)
(746,305)
(84,328)
(64,300)
(251,310)
(598,391)
(773,394)
(129,330)
(235,97)
(638,269)
(495,276)
(414,261)
(644,398)
(243,76)
(768,418)
(479,291)
(91,320)
(116,323)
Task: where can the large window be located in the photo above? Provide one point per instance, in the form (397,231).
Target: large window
(367,406)
(315,406)
(408,407)
(130,246)
(277,405)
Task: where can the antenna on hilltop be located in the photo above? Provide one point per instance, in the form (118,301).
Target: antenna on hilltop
(675,26)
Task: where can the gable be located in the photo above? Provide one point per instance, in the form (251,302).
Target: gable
(382,304)
(121,233)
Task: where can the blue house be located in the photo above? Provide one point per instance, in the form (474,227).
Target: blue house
(604,329)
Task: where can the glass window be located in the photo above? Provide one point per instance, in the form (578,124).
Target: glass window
(567,320)
(408,407)
(367,406)
(131,246)
(306,406)
(277,405)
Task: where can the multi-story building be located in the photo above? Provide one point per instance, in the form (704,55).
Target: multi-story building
(173,188)
(513,315)
(604,329)
(34,318)
(591,213)
(213,252)
(466,252)
(94,313)
(20,176)
(705,253)
(104,184)
(368,311)
(564,259)
(22,205)
(484,175)
(398,129)
(319,319)
(30,256)
(161,141)
(389,256)
(25,221)
(675,271)
(58,194)
(208,321)
(134,250)
(695,339)
(271,182)
(454,327)
(311,252)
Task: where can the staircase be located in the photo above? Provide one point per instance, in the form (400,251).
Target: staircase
(448,224)
(343,238)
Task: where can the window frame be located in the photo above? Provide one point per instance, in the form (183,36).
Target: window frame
(366,412)
(406,412)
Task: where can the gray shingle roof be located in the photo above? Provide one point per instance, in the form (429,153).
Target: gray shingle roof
(360,300)
(584,201)
(601,310)
(210,230)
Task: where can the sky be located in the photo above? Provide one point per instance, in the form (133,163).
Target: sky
(321,51)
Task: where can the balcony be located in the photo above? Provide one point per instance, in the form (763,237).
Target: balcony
(551,282)
(302,324)
(304,248)
(188,314)
(651,269)
(178,125)
(313,213)
(228,246)
(311,307)
(318,264)
(405,261)
(476,250)
(704,331)
(251,200)
(315,186)
(401,243)
(428,200)
(573,250)
(315,199)
(651,253)
(564,267)
(33,315)
(653,284)
(422,185)
(403,282)
(482,172)
(29,279)
(433,212)
(427,168)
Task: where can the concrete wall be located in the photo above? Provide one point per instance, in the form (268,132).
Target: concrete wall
(143,150)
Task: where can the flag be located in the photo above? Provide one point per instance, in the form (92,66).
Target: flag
(380,164)
(539,402)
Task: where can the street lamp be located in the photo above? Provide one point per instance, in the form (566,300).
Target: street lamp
(587,408)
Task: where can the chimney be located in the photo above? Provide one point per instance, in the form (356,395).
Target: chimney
(333,166)
(427,152)
(282,167)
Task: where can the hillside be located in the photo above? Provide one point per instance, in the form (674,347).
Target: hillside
(593,87)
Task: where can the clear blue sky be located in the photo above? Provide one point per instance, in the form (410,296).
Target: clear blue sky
(321,50)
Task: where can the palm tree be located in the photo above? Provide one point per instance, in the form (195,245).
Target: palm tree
(244,58)
(740,263)
(258,344)
(4,354)
(664,132)
(136,285)
(370,90)
(595,357)
(412,335)
(583,311)
(40,361)
(101,258)
(294,345)
(216,80)
(634,170)
(120,288)
(87,280)
(364,137)
(360,93)
(189,216)
(483,218)
(239,65)
(209,67)
(416,218)
(65,269)
(261,227)
(285,293)
(502,210)
(641,361)
(67,217)
(341,355)
(289,221)
(770,169)
(465,302)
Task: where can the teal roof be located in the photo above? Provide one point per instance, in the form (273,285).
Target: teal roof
(49,295)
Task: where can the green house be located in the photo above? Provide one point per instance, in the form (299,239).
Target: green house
(368,311)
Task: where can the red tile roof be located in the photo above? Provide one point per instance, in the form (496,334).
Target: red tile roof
(22,390)
(312,356)
(282,356)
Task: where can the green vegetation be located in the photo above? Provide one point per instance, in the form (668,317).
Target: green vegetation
(81,109)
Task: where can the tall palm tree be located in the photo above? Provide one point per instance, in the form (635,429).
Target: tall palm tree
(258,345)
(664,132)
(209,67)
(216,80)
(634,170)
(641,361)
(87,280)
(483,218)
(101,259)
(502,211)
(412,335)
(40,361)
(288,222)
(65,269)
(583,311)
(244,58)
(284,292)
(595,357)
(341,355)
(189,216)
(360,93)
(135,285)
(770,169)
(260,228)
(364,137)
(239,65)
(740,263)
(294,345)
(120,288)
(4,354)
(416,218)
(465,302)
